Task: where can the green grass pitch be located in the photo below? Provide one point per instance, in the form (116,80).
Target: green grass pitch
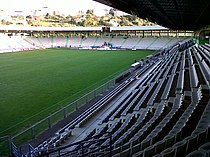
(33,81)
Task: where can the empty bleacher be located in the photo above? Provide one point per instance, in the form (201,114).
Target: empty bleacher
(159,43)
(14,43)
(19,43)
(100,41)
(131,42)
(165,112)
(60,41)
(75,41)
(89,41)
(145,43)
(34,41)
(118,41)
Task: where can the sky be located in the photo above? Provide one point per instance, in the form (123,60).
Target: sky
(65,6)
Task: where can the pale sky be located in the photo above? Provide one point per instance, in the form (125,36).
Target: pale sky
(65,6)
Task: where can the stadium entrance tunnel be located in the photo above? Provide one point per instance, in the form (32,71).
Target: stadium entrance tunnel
(203,36)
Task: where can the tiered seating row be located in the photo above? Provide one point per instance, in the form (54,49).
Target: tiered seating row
(188,123)
(18,43)
(167,111)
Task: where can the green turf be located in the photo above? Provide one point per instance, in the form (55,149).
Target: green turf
(34,81)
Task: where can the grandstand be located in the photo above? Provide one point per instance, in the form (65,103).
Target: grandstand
(145,39)
(13,44)
(17,43)
(159,109)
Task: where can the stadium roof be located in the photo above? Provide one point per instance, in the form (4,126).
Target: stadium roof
(138,28)
(34,28)
(5,28)
(174,14)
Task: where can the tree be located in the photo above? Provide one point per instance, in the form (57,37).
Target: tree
(90,12)
(112,11)
(103,22)
(47,16)
(91,19)
(5,22)
(125,22)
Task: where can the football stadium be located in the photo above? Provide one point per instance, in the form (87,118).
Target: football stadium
(108,91)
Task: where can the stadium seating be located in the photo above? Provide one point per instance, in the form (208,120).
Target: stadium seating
(14,43)
(59,42)
(75,41)
(118,41)
(89,41)
(145,43)
(100,41)
(165,112)
(34,41)
(131,42)
(19,43)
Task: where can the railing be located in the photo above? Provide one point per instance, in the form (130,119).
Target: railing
(33,131)
(24,150)
(14,150)
(62,113)
(93,146)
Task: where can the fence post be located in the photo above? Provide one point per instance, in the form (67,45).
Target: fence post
(20,151)
(49,122)
(107,86)
(10,146)
(64,112)
(102,89)
(94,93)
(110,83)
(33,132)
(86,98)
(76,105)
